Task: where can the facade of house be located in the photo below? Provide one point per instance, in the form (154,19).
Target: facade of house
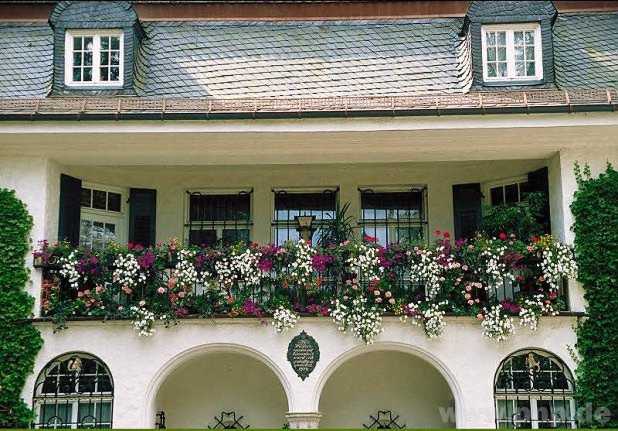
(217,122)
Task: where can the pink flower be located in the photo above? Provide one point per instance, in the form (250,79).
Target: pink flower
(480,316)
(161,290)
(126,289)
(171,283)
(80,294)
(319,262)
(99,289)
(265,265)
(470,302)
(181,294)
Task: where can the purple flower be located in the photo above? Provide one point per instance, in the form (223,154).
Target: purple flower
(321,261)
(146,260)
(510,306)
(250,307)
(200,260)
(265,265)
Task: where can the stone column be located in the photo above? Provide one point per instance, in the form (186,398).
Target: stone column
(303,420)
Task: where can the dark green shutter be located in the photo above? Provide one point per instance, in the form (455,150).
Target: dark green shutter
(467,200)
(69,209)
(142,216)
(538,182)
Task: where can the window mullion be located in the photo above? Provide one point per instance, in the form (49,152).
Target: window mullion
(510,54)
(96,59)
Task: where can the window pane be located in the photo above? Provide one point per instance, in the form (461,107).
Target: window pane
(511,194)
(115,59)
(529,37)
(502,54)
(77,74)
(110,232)
(501,38)
(531,70)
(491,38)
(87,74)
(529,53)
(518,37)
(85,233)
(497,196)
(77,43)
(219,208)
(104,58)
(114,74)
(205,238)
(88,59)
(501,69)
(77,59)
(491,54)
(519,53)
(520,68)
(491,70)
(104,42)
(85,197)
(234,236)
(88,45)
(115,42)
(104,73)
(99,199)
(113,201)
(289,205)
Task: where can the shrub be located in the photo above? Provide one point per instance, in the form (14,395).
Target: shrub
(595,208)
(20,340)
(521,219)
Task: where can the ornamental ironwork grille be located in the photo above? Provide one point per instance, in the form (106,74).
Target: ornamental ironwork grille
(74,391)
(290,204)
(534,389)
(218,218)
(394,217)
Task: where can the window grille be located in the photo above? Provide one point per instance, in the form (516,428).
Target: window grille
(393,217)
(288,205)
(74,391)
(534,389)
(219,218)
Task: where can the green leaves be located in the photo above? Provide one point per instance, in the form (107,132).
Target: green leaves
(20,340)
(595,208)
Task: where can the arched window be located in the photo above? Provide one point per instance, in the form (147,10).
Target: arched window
(534,389)
(74,391)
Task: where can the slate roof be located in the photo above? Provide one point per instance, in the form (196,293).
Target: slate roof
(26,59)
(586,50)
(302,59)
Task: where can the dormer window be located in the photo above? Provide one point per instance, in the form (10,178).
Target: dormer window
(94,58)
(512,53)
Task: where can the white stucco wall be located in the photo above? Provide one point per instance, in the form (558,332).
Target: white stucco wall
(140,366)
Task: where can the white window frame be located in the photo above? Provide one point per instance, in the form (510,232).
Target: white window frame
(96,58)
(120,219)
(509,29)
(502,183)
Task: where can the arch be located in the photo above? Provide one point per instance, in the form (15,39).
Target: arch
(428,357)
(74,390)
(176,361)
(534,387)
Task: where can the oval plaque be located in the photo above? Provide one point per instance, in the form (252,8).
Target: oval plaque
(303,354)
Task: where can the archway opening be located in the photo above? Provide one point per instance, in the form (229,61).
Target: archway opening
(221,390)
(387,389)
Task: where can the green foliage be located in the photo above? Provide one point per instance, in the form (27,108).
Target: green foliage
(338,229)
(595,209)
(20,341)
(521,219)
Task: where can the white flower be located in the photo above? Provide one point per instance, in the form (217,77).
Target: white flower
(426,269)
(431,319)
(68,269)
(300,269)
(365,321)
(143,321)
(365,263)
(557,264)
(127,271)
(284,319)
(496,325)
(532,309)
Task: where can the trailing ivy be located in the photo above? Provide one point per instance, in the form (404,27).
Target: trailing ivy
(20,341)
(595,208)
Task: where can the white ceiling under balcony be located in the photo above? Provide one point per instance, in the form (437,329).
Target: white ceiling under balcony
(307,141)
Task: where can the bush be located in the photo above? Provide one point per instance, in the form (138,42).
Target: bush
(521,219)
(20,341)
(595,209)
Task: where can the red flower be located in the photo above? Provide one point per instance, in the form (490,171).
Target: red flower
(368,238)
(437,232)
(502,236)
(447,235)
